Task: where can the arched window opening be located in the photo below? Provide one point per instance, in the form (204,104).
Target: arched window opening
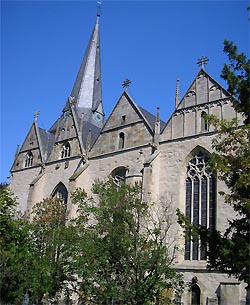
(121,140)
(28,159)
(119,175)
(200,202)
(204,121)
(60,192)
(196,295)
(65,152)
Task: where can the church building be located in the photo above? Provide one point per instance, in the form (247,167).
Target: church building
(132,145)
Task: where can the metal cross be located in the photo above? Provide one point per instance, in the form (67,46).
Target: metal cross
(202,61)
(126,83)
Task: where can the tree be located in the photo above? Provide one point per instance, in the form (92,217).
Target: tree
(13,246)
(113,251)
(54,245)
(12,241)
(125,258)
(229,252)
(237,76)
(36,256)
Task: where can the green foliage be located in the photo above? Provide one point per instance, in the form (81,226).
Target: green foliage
(55,243)
(125,258)
(112,251)
(7,212)
(35,256)
(230,252)
(231,160)
(237,76)
(13,246)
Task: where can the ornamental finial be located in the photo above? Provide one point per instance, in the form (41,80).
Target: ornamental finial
(36,115)
(71,100)
(177,93)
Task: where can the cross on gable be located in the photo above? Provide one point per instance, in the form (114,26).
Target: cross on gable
(126,83)
(202,61)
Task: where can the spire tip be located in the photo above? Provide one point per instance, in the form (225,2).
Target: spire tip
(98,8)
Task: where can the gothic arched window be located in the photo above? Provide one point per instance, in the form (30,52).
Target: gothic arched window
(60,192)
(200,202)
(204,121)
(196,295)
(119,175)
(28,159)
(65,152)
(121,140)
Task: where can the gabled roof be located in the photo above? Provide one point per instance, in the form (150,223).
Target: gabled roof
(31,140)
(202,90)
(36,139)
(136,124)
(146,116)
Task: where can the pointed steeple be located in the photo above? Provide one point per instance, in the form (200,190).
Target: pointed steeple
(87,89)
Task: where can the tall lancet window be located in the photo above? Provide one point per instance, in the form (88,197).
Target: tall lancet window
(28,159)
(65,152)
(204,121)
(121,140)
(200,202)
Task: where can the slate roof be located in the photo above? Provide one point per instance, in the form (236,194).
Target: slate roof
(47,139)
(151,118)
(87,89)
(95,131)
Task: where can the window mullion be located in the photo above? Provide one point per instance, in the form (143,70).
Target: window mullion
(208,200)
(199,201)
(191,215)
(199,220)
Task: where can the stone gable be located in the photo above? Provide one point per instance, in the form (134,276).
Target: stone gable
(126,124)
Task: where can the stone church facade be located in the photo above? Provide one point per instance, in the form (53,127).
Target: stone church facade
(132,145)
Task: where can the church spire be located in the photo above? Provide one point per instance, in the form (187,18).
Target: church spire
(87,89)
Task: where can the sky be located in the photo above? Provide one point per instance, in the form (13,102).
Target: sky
(152,43)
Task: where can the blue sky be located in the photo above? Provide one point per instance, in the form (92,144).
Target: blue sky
(150,42)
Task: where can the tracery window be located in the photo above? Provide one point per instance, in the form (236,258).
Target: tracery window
(65,152)
(61,192)
(121,140)
(119,175)
(28,159)
(204,121)
(200,202)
